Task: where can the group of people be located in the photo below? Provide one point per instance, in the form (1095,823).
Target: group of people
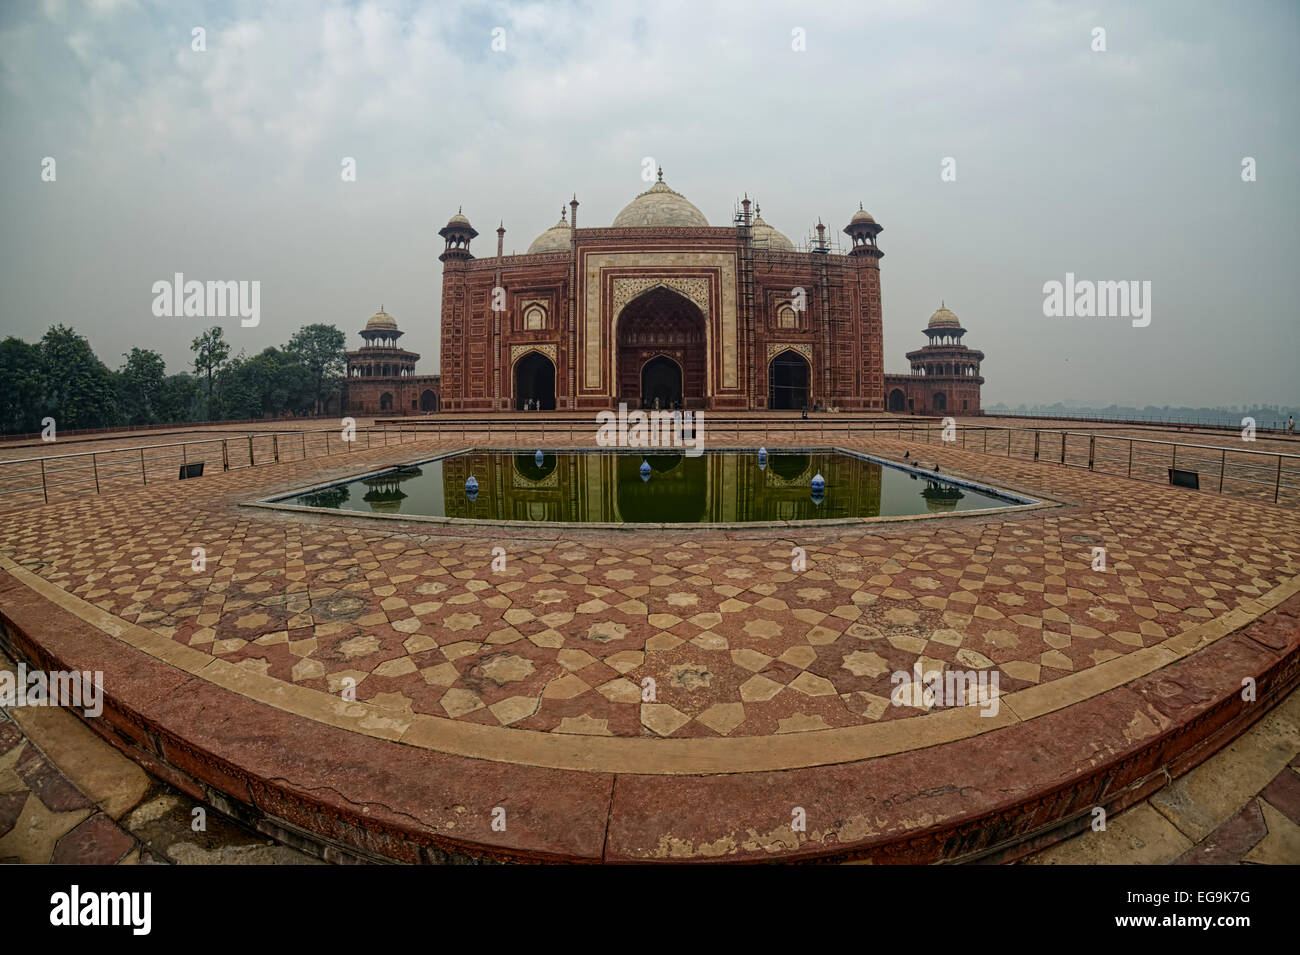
(533,404)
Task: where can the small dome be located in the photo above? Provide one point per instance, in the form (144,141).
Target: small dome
(765,237)
(944,318)
(381,320)
(862,215)
(659,206)
(554,239)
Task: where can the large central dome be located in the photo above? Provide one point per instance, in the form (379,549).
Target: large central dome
(659,206)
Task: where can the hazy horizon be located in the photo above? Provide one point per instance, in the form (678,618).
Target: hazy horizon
(1116,165)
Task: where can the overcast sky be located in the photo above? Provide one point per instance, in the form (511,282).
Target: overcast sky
(1116,165)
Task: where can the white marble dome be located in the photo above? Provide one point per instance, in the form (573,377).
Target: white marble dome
(659,206)
(763,236)
(554,239)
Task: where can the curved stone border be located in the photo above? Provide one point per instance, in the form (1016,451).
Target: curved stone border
(997,795)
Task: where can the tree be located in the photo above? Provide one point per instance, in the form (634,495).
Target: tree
(140,384)
(320,349)
(80,391)
(21,386)
(210,353)
(180,399)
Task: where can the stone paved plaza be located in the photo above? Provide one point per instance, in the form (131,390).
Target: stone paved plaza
(477,689)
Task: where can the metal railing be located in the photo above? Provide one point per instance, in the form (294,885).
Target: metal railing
(1259,475)
(95,472)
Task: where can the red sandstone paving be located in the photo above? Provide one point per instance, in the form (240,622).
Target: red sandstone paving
(310,601)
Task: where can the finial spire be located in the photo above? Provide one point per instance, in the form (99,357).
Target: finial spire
(661,173)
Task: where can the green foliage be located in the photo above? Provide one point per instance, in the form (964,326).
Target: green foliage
(180,399)
(139,386)
(320,349)
(20,387)
(210,353)
(61,377)
(78,390)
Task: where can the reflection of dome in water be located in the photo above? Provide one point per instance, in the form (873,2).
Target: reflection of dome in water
(385,492)
(788,466)
(526,466)
(663,463)
(941,497)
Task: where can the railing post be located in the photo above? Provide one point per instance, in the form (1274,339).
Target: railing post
(275,447)
(1063,437)
(327,443)
(144,476)
(1277,481)
(304,445)
(95,467)
(225,456)
(1036,436)
(251,462)
(1092,450)
(1130,457)
(1223,465)
(46,494)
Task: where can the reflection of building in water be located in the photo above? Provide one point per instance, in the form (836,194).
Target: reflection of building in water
(384,491)
(607,488)
(941,497)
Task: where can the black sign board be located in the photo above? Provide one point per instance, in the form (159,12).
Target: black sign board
(1180,478)
(191,470)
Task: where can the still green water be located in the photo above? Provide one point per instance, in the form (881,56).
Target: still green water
(607,487)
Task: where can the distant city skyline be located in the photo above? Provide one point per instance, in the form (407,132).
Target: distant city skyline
(226,164)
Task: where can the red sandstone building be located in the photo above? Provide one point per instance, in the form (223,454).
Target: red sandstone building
(662,307)
(381,375)
(945,376)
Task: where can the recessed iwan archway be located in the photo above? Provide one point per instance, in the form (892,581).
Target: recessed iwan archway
(661,350)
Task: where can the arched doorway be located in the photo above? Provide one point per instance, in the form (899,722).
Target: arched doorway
(661,380)
(386,402)
(661,323)
(535,381)
(787,381)
(897,400)
(428,400)
(940,401)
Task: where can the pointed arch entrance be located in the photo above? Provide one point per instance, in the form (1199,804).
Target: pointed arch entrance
(788,376)
(661,351)
(535,381)
(661,382)
(897,400)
